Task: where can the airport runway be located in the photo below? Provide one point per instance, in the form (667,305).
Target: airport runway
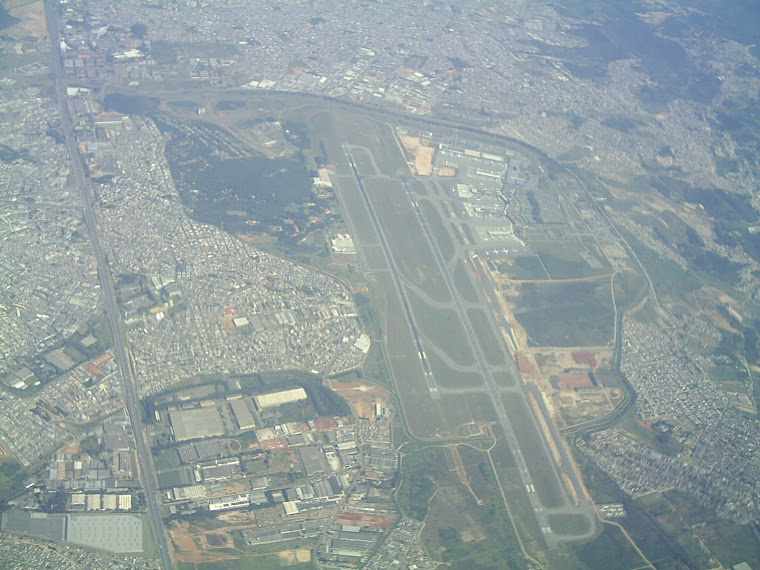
(429,379)
(541,513)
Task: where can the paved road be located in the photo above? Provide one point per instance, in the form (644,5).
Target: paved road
(108,294)
(429,379)
(541,513)
(501,412)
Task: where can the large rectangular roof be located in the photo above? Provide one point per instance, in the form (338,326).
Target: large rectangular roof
(274,399)
(243,415)
(196,422)
(114,533)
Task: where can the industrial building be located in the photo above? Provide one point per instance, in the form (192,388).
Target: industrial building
(230,502)
(114,533)
(195,423)
(242,414)
(274,399)
(119,533)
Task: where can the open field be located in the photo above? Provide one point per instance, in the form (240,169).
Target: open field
(522,512)
(402,230)
(376,137)
(567,314)
(568,523)
(361,397)
(467,526)
(364,162)
(610,549)
(422,417)
(375,258)
(463,283)
(463,412)
(504,379)
(662,550)
(418,187)
(731,543)
(442,328)
(671,281)
(446,377)
(375,368)
(421,154)
(169,479)
(441,235)
(539,462)
(490,343)
(571,261)
(524,267)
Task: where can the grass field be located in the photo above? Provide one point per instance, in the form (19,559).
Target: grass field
(363,162)
(463,283)
(610,549)
(423,418)
(526,267)
(568,523)
(731,543)
(490,343)
(446,377)
(567,314)
(418,187)
(567,262)
(169,479)
(337,127)
(642,526)
(503,379)
(166,459)
(443,328)
(461,409)
(540,465)
(671,281)
(674,524)
(375,258)
(405,237)
(472,531)
(437,228)
(378,139)
(375,367)
(353,206)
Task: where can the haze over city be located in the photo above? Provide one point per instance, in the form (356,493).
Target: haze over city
(403,284)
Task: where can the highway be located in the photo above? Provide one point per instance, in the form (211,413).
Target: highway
(108,293)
